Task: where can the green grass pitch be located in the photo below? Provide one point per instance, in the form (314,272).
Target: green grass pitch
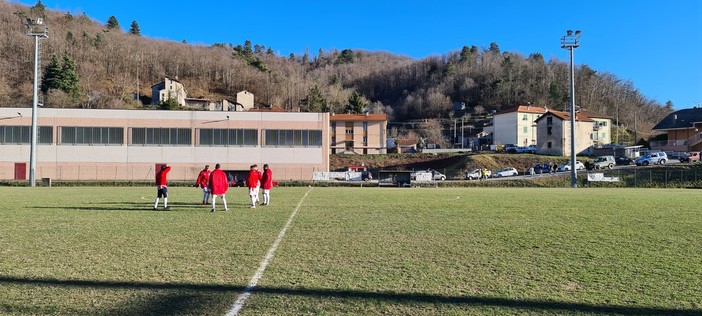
(353,251)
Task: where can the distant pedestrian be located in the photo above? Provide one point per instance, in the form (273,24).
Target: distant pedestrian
(203,181)
(162,186)
(266,184)
(483,174)
(253,181)
(218,186)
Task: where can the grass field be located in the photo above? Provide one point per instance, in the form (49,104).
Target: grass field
(353,251)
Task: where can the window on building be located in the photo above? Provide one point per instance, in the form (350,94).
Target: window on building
(365,126)
(161,136)
(23,134)
(549,130)
(525,117)
(86,135)
(525,129)
(548,144)
(365,140)
(549,120)
(228,137)
(293,138)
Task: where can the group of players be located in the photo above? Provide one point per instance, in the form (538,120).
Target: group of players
(215,184)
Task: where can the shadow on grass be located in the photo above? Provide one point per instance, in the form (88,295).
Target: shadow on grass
(176,298)
(134,206)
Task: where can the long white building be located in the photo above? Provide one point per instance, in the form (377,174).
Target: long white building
(128,145)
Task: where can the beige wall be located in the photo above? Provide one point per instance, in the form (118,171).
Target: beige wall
(246,99)
(560,137)
(136,162)
(376,136)
(513,128)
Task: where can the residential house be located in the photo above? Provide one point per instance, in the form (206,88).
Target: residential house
(683,129)
(168,89)
(516,125)
(601,128)
(406,145)
(553,133)
(358,133)
(244,101)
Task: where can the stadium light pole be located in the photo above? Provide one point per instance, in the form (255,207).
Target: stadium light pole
(571,41)
(36,29)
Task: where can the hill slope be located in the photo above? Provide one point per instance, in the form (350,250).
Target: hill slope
(113,65)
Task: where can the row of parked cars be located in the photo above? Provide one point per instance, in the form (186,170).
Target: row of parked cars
(601,162)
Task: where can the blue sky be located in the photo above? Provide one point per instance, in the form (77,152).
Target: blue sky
(657,45)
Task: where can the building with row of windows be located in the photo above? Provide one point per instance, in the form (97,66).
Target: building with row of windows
(549,130)
(88,144)
(358,133)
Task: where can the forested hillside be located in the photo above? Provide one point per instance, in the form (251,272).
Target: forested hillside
(112,63)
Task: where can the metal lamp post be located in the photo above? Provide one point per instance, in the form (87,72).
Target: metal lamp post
(36,29)
(571,41)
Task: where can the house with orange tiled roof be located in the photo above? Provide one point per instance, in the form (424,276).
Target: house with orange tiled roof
(516,125)
(358,133)
(553,133)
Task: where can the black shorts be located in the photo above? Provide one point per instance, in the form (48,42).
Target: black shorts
(162,192)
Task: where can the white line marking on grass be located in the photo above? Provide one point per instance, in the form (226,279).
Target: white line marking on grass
(239,304)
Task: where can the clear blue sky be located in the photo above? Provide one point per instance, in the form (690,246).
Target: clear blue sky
(655,44)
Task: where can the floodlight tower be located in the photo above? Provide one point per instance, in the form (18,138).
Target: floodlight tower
(570,42)
(36,29)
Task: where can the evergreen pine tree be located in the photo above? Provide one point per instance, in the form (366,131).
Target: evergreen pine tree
(52,74)
(134,29)
(356,104)
(314,102)
(112,23)
(69,77)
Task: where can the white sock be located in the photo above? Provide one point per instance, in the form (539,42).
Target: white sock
(165,202)
(224,200)
(156,203)
(214,197)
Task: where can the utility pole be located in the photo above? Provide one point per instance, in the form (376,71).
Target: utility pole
(463,123)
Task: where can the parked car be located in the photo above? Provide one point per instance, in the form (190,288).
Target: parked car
(602,162)
(652,158)
(435,175)
(505,172)
(476,174)
(624,161)
(510,148)
(690,157)
(566,167)
(530,149)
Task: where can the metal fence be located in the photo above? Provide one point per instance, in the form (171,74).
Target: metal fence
(634,177)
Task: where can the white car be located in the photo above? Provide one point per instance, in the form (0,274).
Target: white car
(566,167)
(505,172)
(476,174)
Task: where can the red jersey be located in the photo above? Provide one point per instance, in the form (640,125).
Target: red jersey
(254,179)
(161,177)
(218,182)
(203,179)
(267,179)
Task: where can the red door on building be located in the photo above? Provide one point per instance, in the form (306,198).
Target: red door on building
(20,171)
